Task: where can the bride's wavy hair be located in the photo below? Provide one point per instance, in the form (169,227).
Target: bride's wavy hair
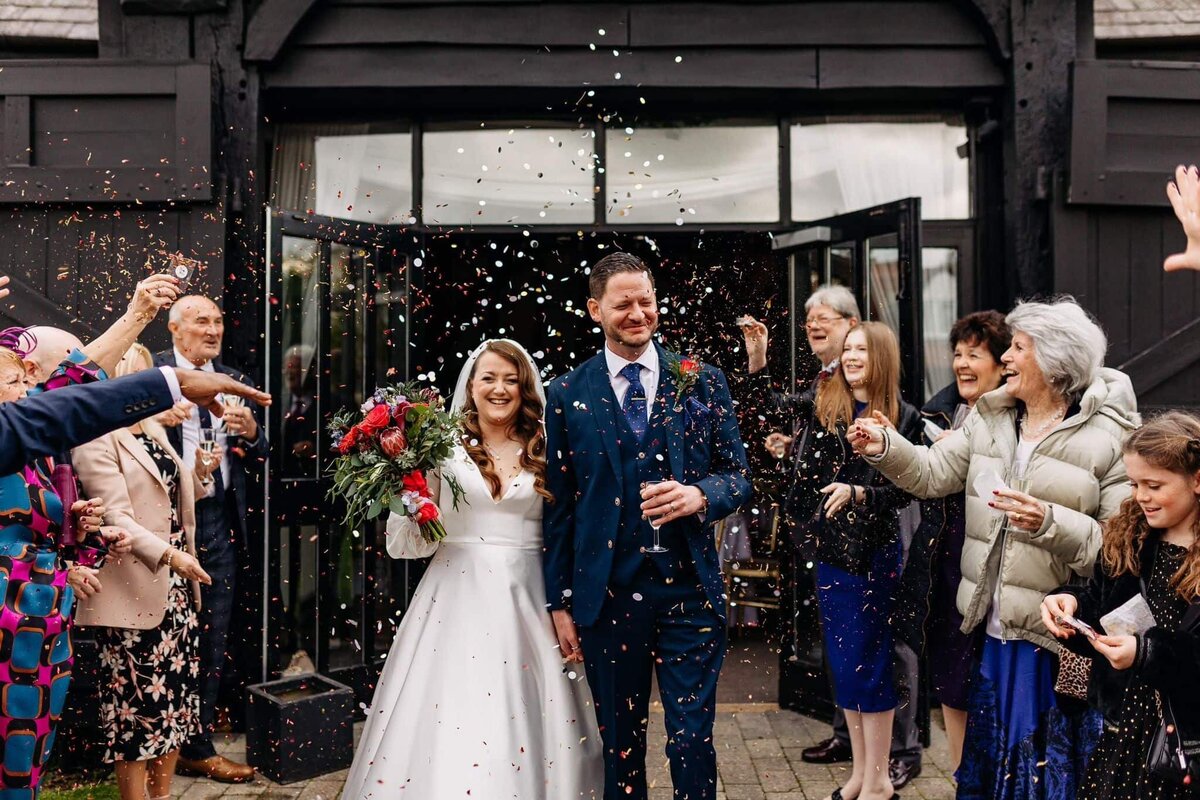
(1170,441)
(528,425)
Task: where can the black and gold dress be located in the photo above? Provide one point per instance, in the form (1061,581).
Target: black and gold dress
(152,705)
(1117,770)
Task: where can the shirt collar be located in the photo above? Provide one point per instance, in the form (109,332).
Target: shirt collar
(615,363)
(182,362)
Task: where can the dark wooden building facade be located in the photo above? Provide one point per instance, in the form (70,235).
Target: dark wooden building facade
(195,123)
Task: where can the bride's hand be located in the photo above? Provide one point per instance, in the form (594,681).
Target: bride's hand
(568,636)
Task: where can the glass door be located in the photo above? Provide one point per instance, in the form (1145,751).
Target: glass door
(337,327)
(876,253)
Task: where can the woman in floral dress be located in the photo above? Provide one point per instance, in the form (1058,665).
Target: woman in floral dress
(145,611)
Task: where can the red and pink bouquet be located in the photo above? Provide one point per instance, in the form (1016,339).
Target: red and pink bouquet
(385,450)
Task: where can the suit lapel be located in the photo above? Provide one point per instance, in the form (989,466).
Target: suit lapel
(603,403)
(665,402)
(127,440)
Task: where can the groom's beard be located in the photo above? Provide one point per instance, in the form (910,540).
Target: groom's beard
(630,339)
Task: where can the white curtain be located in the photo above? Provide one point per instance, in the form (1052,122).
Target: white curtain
(841,167)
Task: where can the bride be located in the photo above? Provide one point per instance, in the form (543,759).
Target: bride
(475,700)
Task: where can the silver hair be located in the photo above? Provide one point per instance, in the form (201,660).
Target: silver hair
(1068,344)
(839,298)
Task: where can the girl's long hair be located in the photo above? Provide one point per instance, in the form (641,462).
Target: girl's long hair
(835,398)
(1170,441)
(528,424)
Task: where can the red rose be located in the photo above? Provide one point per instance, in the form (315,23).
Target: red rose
(392,442)
(688,365)
(415,482)
(376,420)
(348,441)
(427,513)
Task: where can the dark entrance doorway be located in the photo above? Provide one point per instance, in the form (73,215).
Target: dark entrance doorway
(876,253)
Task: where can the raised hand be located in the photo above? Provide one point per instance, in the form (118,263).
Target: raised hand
(203,387)
(756,337)
(152,295)
(866,437)
(1184,194)
(3,283)
(777,444)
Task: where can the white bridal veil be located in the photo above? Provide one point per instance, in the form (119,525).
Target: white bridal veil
(460,388)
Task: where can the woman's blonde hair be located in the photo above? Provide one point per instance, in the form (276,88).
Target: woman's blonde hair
(1170,441)
(835,398)
(136,359)
(9,358)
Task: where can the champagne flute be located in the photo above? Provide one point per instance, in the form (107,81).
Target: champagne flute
(208,443)
(1018,480)
(654,525)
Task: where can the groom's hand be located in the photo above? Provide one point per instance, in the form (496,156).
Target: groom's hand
(670,500)
(568,636)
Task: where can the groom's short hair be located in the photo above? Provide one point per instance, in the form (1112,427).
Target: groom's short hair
(612,264)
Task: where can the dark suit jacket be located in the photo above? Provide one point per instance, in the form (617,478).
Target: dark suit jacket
(584,475)
(247,466)
(53,422)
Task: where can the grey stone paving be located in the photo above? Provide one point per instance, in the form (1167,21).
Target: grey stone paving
(758,758)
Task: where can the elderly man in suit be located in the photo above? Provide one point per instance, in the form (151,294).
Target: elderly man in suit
(197,328)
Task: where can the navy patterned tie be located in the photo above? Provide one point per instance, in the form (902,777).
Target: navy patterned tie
(635,400)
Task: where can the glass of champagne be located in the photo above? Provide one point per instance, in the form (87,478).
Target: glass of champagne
(654,526)
(229,401)
(1018,480)
(208,443)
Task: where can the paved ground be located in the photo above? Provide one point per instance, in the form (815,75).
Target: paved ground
(758,759)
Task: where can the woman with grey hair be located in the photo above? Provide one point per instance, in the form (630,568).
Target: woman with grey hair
(1040,460)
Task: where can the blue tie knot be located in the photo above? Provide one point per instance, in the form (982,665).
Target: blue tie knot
(632,373)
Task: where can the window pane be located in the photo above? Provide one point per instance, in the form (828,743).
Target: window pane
(366,178)
(299,319)
(500,177)
(841,167)
(686,175)
(939,300)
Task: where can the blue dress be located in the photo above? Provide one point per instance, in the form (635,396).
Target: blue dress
(855,614)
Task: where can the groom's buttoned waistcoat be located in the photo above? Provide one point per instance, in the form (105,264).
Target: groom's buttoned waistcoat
(593,532)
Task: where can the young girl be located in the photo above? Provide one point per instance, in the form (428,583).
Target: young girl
(1153,538)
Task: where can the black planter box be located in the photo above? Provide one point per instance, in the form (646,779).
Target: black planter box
(299,728)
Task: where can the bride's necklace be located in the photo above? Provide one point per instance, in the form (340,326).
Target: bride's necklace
(1029,432)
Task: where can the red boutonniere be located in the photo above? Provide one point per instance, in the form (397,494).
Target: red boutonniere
(685,371)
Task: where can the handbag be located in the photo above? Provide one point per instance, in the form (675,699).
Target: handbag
(1171,756)
(1074,673)
(849,540)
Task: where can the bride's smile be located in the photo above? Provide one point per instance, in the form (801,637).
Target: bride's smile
(496,390)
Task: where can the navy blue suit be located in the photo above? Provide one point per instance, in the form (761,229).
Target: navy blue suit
(51,423)
(637,612)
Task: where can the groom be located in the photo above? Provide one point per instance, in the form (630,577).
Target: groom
(633,414)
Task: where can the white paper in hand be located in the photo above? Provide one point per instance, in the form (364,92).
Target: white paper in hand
(986,484)
(1132,618)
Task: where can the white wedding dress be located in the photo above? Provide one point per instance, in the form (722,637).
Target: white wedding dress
(475,701)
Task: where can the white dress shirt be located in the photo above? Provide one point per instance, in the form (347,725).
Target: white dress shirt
(649,363)
(191,430)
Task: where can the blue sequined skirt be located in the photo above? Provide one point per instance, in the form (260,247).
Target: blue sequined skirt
(1020,744)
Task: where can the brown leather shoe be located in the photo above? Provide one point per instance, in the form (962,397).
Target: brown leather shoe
(218,768)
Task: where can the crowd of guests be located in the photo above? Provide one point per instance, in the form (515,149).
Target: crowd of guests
(1048,510)
(163,454)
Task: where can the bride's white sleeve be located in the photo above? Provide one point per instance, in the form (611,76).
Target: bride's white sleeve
(404,539)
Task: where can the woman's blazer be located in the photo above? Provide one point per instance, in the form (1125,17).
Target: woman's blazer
(117,469)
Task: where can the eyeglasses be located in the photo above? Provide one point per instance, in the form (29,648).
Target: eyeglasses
(824,320)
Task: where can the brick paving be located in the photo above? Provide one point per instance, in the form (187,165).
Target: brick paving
(758,758)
